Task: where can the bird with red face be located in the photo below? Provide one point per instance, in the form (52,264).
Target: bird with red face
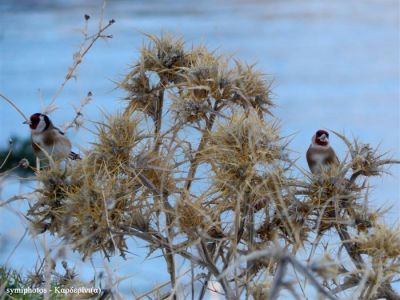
(320,154)
(48,140)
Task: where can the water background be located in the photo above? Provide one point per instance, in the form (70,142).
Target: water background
(335,65)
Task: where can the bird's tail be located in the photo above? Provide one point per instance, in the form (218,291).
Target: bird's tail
(74,156)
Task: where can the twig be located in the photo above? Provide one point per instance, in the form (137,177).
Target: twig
(108,223)
(16,246)
(15,106)
(169,256)
(160,286)
(386,291)
(12,199)
(8,154)
(308,273)
(78,113)
(78,57)
(204,286)
(158,118)
(203,142)
(350,248)
(278,279)
(214,270)
(155,239)
(277,254)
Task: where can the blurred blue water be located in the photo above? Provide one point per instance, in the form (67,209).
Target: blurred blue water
(335,65)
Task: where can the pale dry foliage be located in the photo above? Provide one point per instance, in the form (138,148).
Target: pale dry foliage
(196,167)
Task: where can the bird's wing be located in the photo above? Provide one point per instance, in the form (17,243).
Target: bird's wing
(74,156)
(59,130)
(57,142)
(309,160)
(332,157)
(65,143)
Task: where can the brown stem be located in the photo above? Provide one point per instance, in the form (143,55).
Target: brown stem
(157,240)
(350,247)
(168,254)
(278,279)
(387,292)
(204,287)
(250,227)
(158,119)
(214,270)
(306,272)
(250,240)
(203,142)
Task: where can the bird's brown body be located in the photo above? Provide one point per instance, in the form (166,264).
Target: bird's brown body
(48,141)
(51,142)
(320,154)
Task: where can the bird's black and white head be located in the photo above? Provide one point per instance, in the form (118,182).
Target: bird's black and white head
(39,123)
(321,138)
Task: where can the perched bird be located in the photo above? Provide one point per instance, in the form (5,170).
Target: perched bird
(48,140)
(320,153)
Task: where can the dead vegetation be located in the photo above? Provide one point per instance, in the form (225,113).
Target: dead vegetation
(196,167)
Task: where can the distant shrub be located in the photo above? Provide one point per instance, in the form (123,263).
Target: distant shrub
(18,157)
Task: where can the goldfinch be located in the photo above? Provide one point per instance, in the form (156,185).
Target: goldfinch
(320,153)
(48,140)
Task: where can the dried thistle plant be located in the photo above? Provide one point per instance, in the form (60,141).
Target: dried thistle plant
(243,151)
(225,199)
